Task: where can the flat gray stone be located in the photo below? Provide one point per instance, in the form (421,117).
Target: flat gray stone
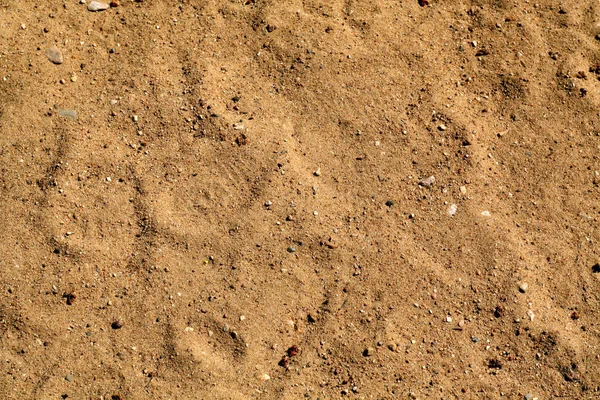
(72,114)
(54,55)
(97,6)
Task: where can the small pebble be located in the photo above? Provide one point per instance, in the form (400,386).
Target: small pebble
(72,114)
(463,190)
(135,118)
(69,377)
(291,249)
(268,203)
(97,6)
(531,315)
(54,55)
(427,182)
(528,396)
(317,172)
(389,203)
(442,127)
(486,213)
(117,324)
(392,346)
(452,209)
(523,287)
(574,315)
(369,351)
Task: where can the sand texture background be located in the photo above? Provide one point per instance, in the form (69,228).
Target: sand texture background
(246,176)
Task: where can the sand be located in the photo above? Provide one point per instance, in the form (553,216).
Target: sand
(229,200)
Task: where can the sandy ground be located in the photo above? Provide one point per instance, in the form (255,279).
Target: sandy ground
(241,208)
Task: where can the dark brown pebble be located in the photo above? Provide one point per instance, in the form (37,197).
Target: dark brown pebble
(499,311)
(574,315)
(70,298)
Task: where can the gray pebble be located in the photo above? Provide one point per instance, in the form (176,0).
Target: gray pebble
(528,396)
(72,114)
(427,182)
(54,55)
(69,377)
(97,6)
(291,249)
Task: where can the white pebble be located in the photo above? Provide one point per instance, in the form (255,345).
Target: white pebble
(452,210)
(531,315)
(523,287)
(97,6)
(265,377)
